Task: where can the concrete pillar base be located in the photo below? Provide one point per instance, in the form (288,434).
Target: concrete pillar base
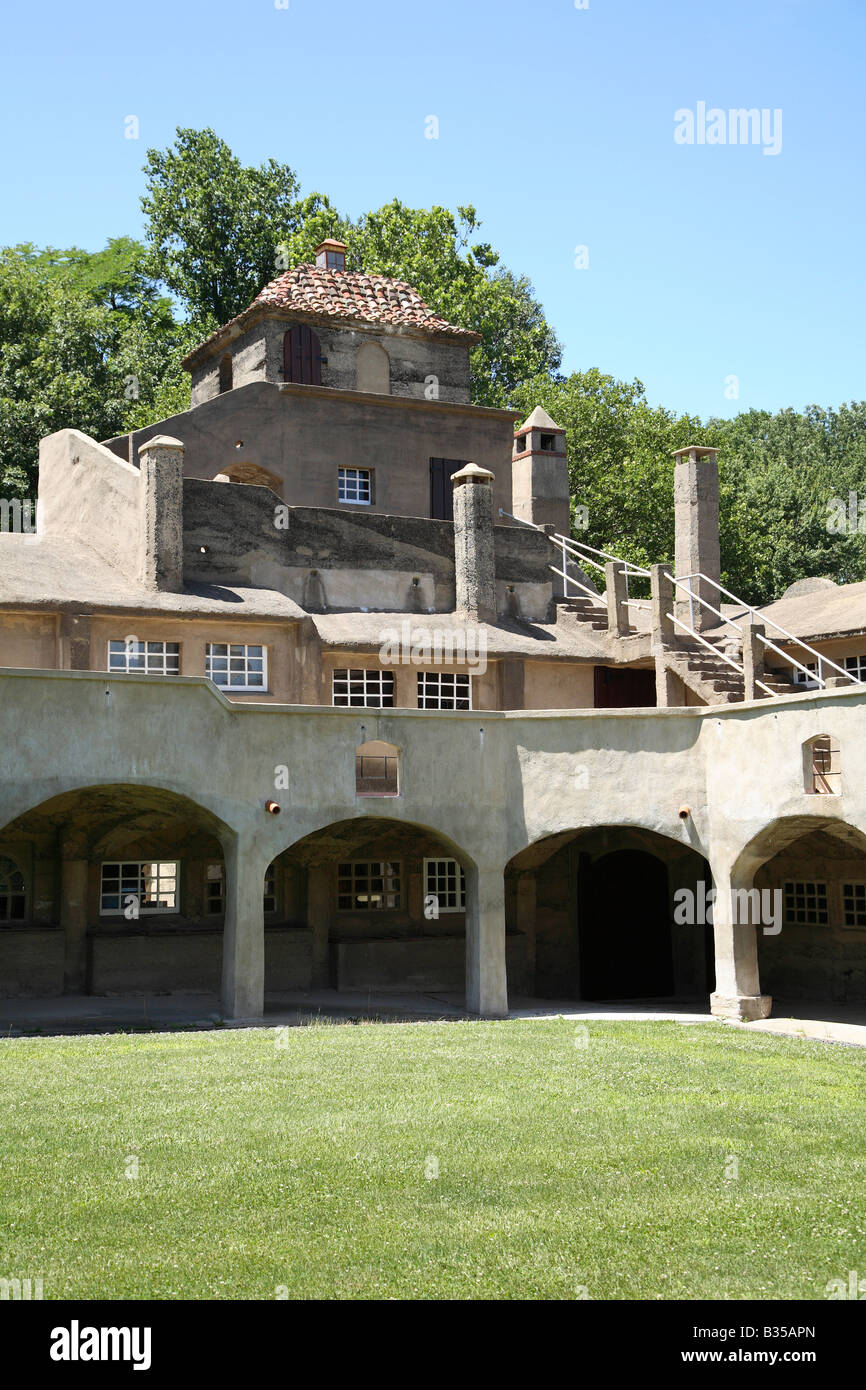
(743,1007)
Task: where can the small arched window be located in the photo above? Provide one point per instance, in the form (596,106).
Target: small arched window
(302,356)
(377,769)
(822,767)
(373,371)
(11,892)
(225,372)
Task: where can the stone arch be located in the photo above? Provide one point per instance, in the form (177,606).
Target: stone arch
(253,474)
(798,902)
(118,874)
(599,909)
(373,369)
(357,916)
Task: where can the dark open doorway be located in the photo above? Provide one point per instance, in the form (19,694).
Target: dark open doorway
(624,927)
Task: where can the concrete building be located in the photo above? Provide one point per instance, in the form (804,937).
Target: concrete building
(311,687)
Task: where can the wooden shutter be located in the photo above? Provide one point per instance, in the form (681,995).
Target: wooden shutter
(302,356)
(441,491)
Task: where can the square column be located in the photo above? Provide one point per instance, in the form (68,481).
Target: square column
(319,879)
(486,983)
(737,994)
(73,920)
(243,977)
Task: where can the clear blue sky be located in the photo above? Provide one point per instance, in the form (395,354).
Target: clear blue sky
(705,261)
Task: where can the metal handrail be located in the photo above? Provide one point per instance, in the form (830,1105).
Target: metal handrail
(820,658)
(741,670)
(629,566)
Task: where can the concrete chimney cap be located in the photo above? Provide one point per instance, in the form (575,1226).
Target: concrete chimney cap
(161,441)
(471,473)
(700,450)
(540,420)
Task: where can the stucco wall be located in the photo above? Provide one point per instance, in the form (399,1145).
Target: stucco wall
(303,434)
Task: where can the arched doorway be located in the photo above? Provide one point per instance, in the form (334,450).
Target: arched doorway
(624,926)
(598,912)
(801,882)
(370,906)
(123,887)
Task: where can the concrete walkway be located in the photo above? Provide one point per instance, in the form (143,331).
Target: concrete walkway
(78,1014)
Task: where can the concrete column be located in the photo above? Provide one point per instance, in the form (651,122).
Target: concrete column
(161,513)
(474,560)
(243,975)
(738,991)
(696,520)
(486,984)
(615,593)
(319,879)
(540,490)
(526,921)
(73,920)
(753,661)
(670,690)
(662,599)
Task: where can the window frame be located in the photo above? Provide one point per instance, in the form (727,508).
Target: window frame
(139,865)
(229,656)
(812,914)
(350,675)
(439,676)
(430,863)
(391,872)
(343,471)
(145,644)
(10,893)
(854,909)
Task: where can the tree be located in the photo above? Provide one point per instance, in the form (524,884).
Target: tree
(214,225)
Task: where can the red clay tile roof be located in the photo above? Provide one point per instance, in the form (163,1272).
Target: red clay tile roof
(347,296)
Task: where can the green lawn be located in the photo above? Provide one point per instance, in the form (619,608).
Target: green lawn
(307,1159)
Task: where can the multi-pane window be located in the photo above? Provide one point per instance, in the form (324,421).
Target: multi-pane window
(441,690)
(806,904)
(371,687)
(355,485)
(801,678)
(854,904)
(235,666)
(215,890)
(147,886)
(368,887)
(270,898)
(11,892)
(857,666)
(445,880)
(154,658)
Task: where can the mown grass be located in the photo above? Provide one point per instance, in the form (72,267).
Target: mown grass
(454,1160)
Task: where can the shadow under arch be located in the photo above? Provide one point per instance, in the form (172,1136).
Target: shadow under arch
(379,905)
(802,882)
(601,910)
(117,898)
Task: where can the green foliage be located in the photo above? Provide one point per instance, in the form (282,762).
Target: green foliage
(214,225)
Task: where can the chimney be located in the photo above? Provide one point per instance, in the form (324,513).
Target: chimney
(474,562)
(161,513)
(696,523)
(331,255)
(539,473)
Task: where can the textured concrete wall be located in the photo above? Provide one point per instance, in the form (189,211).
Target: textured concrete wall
(88,492)
(257,355)
(303,434)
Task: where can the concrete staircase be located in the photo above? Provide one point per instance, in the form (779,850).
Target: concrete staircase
(585,610)
(712,679)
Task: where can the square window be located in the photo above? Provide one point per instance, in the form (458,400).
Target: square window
(373,688)
(236,666)
(154,658)
(153,884)
(854,904)
(445,880)
(806,904)
(444,690)
(355,485)
(368,886)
